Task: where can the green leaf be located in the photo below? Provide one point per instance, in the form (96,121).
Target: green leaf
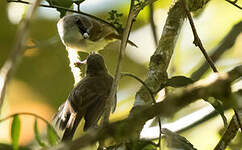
(219,108)
(15,132)
(52,136)
(36,133)
(175,141)
(179,81)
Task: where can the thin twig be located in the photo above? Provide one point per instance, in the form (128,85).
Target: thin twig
(30,114)
(197,40)
(152,23)
(153,99)
(123,45)
(234,3)
(17,52)
(224,45)
(198,43)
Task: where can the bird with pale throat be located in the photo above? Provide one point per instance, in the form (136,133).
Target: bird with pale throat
(83,33)
(87,99)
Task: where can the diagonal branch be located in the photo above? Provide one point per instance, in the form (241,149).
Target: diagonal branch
(152,23)
(224,45)
(10,65)
(198,43)
(117,75)
(229,134)
(197,40)
(234,3)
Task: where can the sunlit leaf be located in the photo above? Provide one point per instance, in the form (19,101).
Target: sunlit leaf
(52,136)
(15,132)
(179,81)
(175,141)
(36,133)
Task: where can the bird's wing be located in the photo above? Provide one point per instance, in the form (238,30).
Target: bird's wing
(94,112)
(95,30)
(94,97)
(64,115)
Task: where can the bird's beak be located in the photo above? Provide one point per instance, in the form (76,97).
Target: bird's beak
(92,52)
(80,63)
(84,61)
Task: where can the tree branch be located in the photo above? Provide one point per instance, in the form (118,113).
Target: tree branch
(160,60)
(228,135)
(122,48)
(17,52)
(120,131)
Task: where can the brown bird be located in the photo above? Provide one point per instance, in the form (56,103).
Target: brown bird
(87,100)
(85,33)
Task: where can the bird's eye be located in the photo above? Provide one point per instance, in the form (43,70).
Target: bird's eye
(82,29)
(86,35)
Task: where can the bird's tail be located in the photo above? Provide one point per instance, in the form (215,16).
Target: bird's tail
(66,119)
